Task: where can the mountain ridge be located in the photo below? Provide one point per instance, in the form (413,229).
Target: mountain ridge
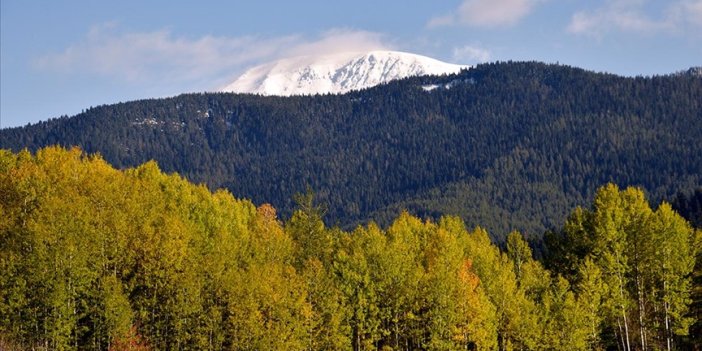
(513,148)
(336,73)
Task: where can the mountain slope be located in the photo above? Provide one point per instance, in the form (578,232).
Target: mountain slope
(338,73)
(505,146)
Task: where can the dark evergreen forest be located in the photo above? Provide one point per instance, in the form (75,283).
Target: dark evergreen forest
(512,145)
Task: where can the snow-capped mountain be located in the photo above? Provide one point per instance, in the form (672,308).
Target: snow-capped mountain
(337,73)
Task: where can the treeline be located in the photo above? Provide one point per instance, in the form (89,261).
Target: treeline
(96,258)
(690,206)
(511,145)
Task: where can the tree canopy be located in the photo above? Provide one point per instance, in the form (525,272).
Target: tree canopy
(96,258)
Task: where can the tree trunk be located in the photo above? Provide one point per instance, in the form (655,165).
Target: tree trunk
(626,330)
(621,335)
(667,326)
(642,328)
(626,323)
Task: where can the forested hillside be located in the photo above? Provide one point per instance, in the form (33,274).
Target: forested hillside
(690,206)
(504,145)
(95,258)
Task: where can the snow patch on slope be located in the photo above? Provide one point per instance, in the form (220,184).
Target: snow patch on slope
(337,73)
(449,85)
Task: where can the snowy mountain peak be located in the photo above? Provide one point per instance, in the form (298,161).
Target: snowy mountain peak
(337,73)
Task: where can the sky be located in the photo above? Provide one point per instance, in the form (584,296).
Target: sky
(60,57)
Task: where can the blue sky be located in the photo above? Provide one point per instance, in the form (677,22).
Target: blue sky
(59,57)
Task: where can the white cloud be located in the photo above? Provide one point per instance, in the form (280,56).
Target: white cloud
(687,12)
(340,40)
(486,13)
(442,21)
(471,54)
(160,57)
(630,16)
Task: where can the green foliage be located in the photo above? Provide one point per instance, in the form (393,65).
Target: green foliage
(591,290)
(634,269)
(94,258)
